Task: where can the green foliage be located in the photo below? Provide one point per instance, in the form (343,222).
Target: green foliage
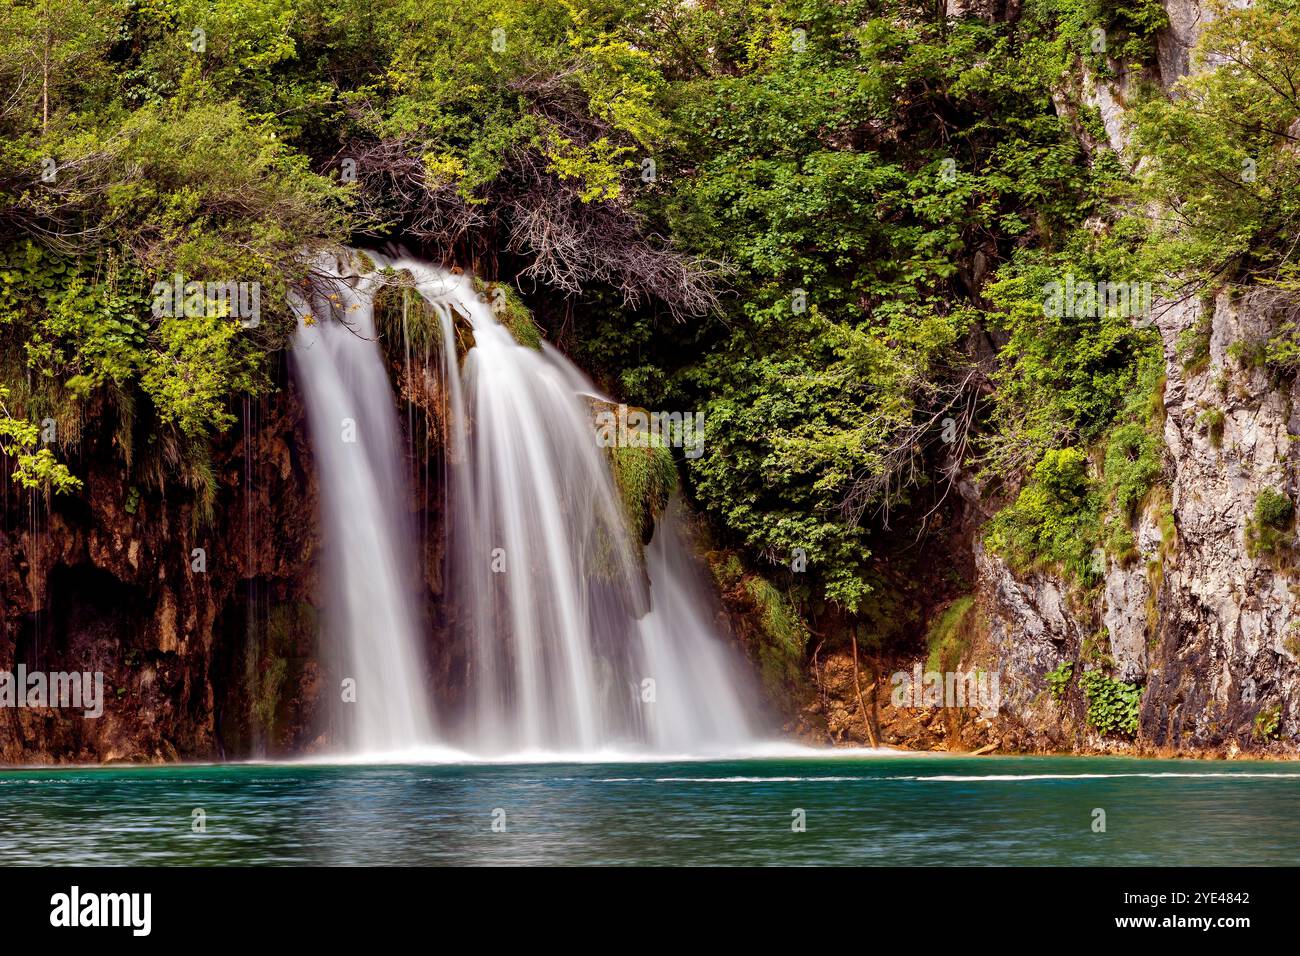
(1095,379)
(1268,532)
(511,312)
(1219,153)
(1112,704)
(1132,465)
(1058,680)
(1284,349)
(786,637)
(1219,161)
(1273,509)
(1130,27)
(1267,723)
(887,193)
(1193,343)
(782,638)
(1068,378)
(33,467)
(1054,519)
(846,173)
(1212,420)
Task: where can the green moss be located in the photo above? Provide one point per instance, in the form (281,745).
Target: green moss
(272,663)
(401,312)
(785,637)
(511,312)
(949,635)
(645,478)
(266,699)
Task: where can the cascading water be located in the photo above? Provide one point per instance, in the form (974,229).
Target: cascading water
(369,561)
(572,640)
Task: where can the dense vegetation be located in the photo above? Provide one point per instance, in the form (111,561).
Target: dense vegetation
(828,225)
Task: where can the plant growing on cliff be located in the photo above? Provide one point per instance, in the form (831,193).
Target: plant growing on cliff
(1113,705)
(1058,680)
(1212,420)
(1219,152)
(949,635)
(645,477)
(33,467)
(1054,518)
(1267,723)
(1268,530)
(782,638)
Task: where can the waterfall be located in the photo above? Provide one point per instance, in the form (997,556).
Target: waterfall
(573,640)
(369,564)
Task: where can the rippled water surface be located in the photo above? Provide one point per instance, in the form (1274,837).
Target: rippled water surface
(923,810)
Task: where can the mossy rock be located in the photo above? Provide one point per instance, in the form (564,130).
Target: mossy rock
(273,665)
(511,312)
(645,477)
(785,637)
(950,635)
(396,303)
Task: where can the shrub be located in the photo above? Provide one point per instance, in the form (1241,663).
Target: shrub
(1268,531)
(1267,723)
(1112,704)
(1054,519)
(1132,466)
(1212,420)
(1058,679)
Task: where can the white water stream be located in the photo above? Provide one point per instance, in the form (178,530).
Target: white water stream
(571,641)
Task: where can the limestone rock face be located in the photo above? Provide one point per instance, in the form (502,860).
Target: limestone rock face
(1207,629)
(1226,617)
(1187,18)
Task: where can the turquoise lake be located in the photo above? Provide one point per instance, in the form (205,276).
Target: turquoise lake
(931,810)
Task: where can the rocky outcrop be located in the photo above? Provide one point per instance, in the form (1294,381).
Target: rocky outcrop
(1227,645)
(1187,19)
(203,627)
(1202,618)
